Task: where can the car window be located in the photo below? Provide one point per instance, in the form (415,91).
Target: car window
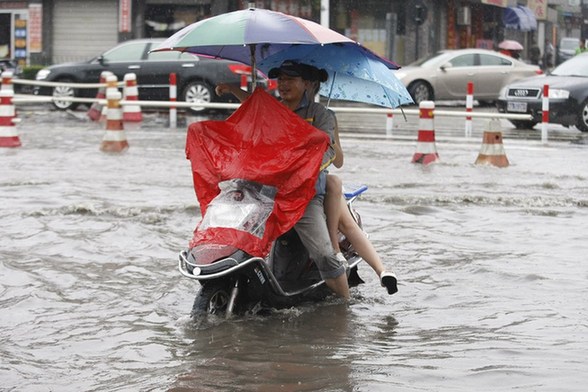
(465,60)
(171,56)
(129,52)
(490,60)
(569,44)
(576,66)
(429,60)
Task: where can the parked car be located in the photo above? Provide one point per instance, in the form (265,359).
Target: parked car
(444,76)
(196,76)
(567,49)
(568,96)
(9,65)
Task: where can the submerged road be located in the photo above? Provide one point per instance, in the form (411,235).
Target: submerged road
(491,265)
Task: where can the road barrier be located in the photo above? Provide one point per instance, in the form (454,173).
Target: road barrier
(469,108)
(131,113)
(173,104)
(492,150)
(7,81)
(173,94)
(8,132)
(545,114)
(95,111)
(115,139)
(426,151)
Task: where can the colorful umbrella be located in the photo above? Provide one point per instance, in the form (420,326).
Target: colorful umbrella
(508,44)
(355,73)
(248,35)
(254,35)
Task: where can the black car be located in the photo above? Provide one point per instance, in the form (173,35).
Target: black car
(568,96)
(196,76)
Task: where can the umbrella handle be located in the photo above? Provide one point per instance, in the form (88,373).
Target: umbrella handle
(253,68)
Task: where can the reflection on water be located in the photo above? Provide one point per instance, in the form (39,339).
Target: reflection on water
(490,261)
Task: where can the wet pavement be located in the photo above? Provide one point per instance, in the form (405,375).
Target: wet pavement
(491,264)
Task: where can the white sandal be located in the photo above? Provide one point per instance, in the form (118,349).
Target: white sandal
(389,281)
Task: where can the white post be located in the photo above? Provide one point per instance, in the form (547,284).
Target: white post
(325,13)
(545,114)
(469,107)
(173,92)
(389,124)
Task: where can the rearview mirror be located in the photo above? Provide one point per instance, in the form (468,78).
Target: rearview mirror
(446,66)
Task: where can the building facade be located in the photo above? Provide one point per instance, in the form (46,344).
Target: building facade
(55,31)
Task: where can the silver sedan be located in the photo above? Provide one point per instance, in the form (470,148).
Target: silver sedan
(444,76)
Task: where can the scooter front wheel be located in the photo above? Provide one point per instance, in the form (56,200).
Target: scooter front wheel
(212,298)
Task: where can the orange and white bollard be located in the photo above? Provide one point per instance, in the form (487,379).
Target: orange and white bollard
(131,112)
(469,108)
(492,151)
(7,81)
(426,151)
(115,139)
(95,111)
(111,86)
(8,132)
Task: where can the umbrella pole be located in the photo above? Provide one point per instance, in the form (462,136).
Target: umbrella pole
(253,68)
(331,89)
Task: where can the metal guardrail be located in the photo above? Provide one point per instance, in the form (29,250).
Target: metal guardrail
(24,99)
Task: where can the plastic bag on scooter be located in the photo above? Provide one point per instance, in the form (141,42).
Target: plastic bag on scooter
(263,142)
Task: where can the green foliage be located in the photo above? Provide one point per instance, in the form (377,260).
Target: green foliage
(29,72)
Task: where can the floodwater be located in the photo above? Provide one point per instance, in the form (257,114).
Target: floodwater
(491,264)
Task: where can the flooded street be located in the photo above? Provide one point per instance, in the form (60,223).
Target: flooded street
(491,265)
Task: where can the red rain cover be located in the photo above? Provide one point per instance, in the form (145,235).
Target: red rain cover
(265,142)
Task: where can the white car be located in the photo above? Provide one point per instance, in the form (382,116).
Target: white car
(445,75)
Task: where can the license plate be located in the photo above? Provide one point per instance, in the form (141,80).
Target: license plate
(520,107)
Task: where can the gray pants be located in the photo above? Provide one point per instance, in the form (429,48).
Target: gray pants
(313,232)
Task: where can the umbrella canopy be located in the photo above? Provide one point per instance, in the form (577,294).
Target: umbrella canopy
(259,36)
(508,44)
(240,34)
(355,73)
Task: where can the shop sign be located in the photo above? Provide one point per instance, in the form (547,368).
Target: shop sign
(35,28)
(539,8)
(124,16)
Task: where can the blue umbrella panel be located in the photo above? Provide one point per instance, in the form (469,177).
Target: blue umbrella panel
(355,73)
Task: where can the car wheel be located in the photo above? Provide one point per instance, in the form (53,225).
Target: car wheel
(420,91)
(582,120)
(197,92)
(522,124)
(64,91)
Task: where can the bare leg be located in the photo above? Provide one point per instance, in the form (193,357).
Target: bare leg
(365,249)
(333,208)
(356,236)
(339,286)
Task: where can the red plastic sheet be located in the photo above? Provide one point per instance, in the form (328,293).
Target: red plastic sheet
(265,142)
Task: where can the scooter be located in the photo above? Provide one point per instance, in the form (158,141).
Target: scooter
(236,283)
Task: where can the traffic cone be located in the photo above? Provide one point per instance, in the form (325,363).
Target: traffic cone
(131,113)
(492,151)
(95,111)
(426,151)
(8,133)
(111,86)
(114,139)
(7,81)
